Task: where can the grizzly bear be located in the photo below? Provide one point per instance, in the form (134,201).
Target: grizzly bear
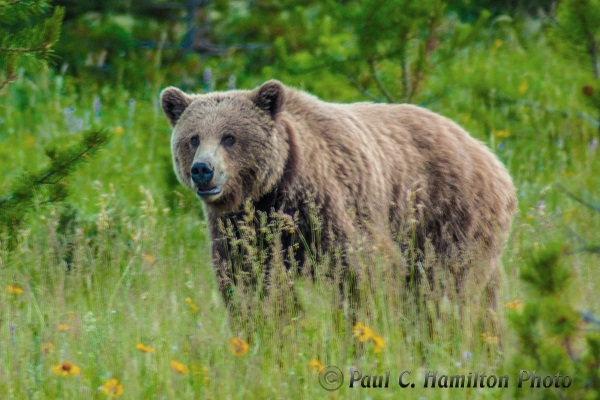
(367,170)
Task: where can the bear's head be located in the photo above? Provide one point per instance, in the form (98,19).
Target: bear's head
(228,146)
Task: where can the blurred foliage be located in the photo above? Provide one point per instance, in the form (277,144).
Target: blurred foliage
(552,335)
(469,9)
(363,42)
(32,28)
(382,50)
(29,30)
(42,187)
(379,50)
(129,44)
(578,27)
(389,51)
(155,9)
(578,22)
(107,49)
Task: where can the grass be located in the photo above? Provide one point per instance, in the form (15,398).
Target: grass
(141,273)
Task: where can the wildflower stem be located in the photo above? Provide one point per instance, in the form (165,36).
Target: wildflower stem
(125,272)
(37,308)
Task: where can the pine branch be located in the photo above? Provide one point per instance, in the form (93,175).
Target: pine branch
(45,179)
(24,190)
(422,64)
(10,3)
(378,82)
(8,80)
(578,199)
(586,249)
(24,36)
(21,50)
(592,45)
(362,90)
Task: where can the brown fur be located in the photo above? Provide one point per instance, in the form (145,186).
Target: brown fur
(360,163)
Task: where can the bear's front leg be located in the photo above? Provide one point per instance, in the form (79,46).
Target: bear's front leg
(239,320)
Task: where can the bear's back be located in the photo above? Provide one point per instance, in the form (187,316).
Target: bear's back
(380,153)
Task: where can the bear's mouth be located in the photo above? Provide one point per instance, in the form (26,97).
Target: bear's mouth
(208,192)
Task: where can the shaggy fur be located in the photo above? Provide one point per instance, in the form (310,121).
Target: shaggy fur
(371,170)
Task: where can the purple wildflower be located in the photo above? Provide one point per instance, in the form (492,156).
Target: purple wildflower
(207,79)
(131,112)
(97,105)
(69,111)
(70,119)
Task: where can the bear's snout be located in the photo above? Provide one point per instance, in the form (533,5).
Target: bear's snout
(202,173)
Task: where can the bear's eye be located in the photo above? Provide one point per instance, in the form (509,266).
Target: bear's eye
(228,141)
(195,141)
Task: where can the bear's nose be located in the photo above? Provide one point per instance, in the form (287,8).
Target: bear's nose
(202,173)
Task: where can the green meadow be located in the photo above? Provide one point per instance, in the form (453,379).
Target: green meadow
(111,292)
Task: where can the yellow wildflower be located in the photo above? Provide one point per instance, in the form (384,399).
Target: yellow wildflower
(501,133)
(63,327)
(487,338)
(523,87)
(179,367)
(66,369)
(362,332)
(514,305)
(112,388)
(496,45)
(148,258)
(200,371)
(193,307)
(378,343)
(29,141)
(47,348)
(118,130)
(315,365)
(568,215)
(14,289)
(239,347)
(144,349)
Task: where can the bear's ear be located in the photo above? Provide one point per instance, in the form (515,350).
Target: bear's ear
(174,102)
(269,97)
